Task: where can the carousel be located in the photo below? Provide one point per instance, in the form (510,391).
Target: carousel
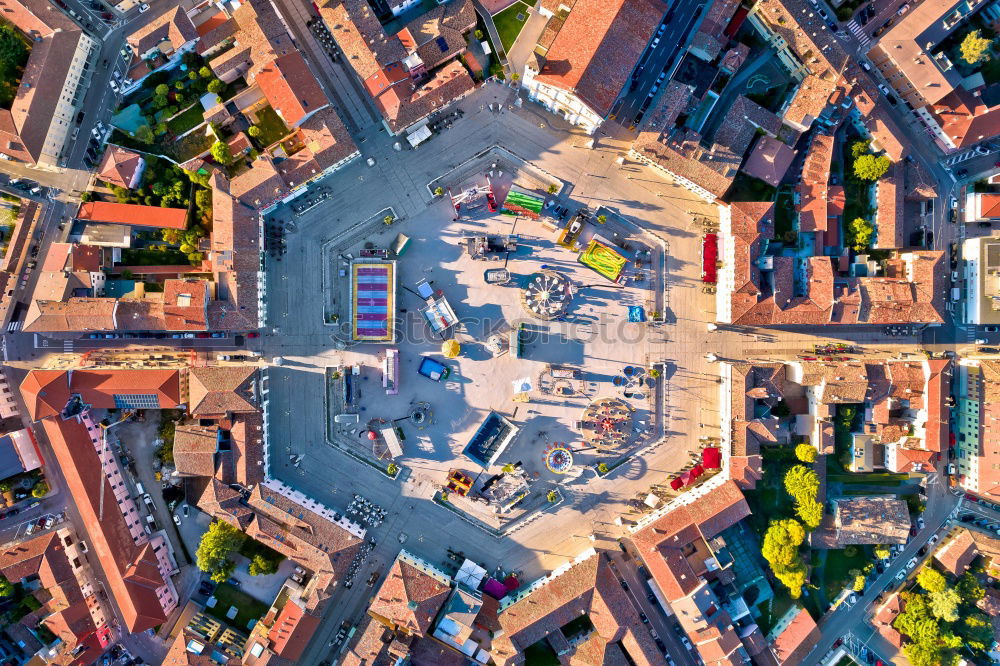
(547,295)
(607,424)
(558,458)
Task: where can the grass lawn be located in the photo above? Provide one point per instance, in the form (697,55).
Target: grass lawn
(835,576)
(132,257)
(192,145)
(229,595)
(187,119)
(272,127)
(774,609)
(872,478)
(509,24)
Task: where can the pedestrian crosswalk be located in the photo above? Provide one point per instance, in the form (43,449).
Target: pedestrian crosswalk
(966,155)
(67,346)
(14,326)
(859,33)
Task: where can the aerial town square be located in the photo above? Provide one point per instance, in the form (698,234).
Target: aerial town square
(453,332)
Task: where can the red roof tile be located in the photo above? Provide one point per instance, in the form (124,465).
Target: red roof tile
(133,215)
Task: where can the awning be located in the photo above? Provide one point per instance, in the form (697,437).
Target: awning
(419,135)
(711,458)
(676,483)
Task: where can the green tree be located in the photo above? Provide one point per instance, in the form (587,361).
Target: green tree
(478,34)
(388,219)
(196,258)
(86,196)
(162,89)
(552,496)
(859,148)
(203,201)
(6,588)
(860,232)
(179,85)
(161,128)
(13,52)
(217,545)
(508,468)
(438,191)
(976,48)
(944,604)
(882,552)
(801,482)
(602,468)
(192,75)
(969,589)
(794,578)
(931,580)
(976,629)
(205,73)
(601,219)
(262,566)
(870,167)
(144,134)
(221,153)
(810,512)
(392,470)
(806,453)
(41,489)
(859,583)
(215,86)
(253,131)
(923,654)
(553,188)
(781,549)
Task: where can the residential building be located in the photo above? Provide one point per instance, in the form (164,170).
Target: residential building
(692,571)
(36,127)
(200,639)
(137,565)
(411,73)
(18,453)
(121,167)
(794,636)
(870,520)
(155,217)
(924,77)
(578,610)
(956,552)
(55,569)
(769,160)
(763,283)
(978,412)
(591,59)
(159,44)
(982,280)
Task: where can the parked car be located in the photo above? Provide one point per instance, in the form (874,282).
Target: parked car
(920,522)
(177,520)
(912,563)
(143,8)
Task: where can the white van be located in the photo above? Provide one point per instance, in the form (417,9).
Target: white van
(139,489)
(345,418)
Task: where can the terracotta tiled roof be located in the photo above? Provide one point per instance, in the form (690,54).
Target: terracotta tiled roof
(597,48)
(173,27)
(587,587)
(798,638)
(185,305)
(769,160)
(435,37)
(194,449)
(133,215)
(957,553)
(217,390)
(292,631)
(130,569)
(46,392)
(290,88)
(409,599)
(889,212)
(120,166)
(324,142)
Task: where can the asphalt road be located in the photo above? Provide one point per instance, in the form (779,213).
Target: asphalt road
(684,16)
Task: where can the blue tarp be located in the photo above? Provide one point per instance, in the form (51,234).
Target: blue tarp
(636,313)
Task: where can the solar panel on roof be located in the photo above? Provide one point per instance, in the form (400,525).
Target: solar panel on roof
(442,44)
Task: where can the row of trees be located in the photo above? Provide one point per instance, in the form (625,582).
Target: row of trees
(941,617)
(784,537)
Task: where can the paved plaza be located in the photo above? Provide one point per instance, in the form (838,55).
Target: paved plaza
(594,337)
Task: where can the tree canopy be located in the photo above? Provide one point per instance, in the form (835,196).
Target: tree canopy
(810,512)
(975,48)
(221,153)
(931,580)
(860,232)
(801,482)
(217,545)
(781,550)
(870,167)
(806,453)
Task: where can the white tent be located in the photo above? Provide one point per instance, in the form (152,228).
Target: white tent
(471,575)
(419,135)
